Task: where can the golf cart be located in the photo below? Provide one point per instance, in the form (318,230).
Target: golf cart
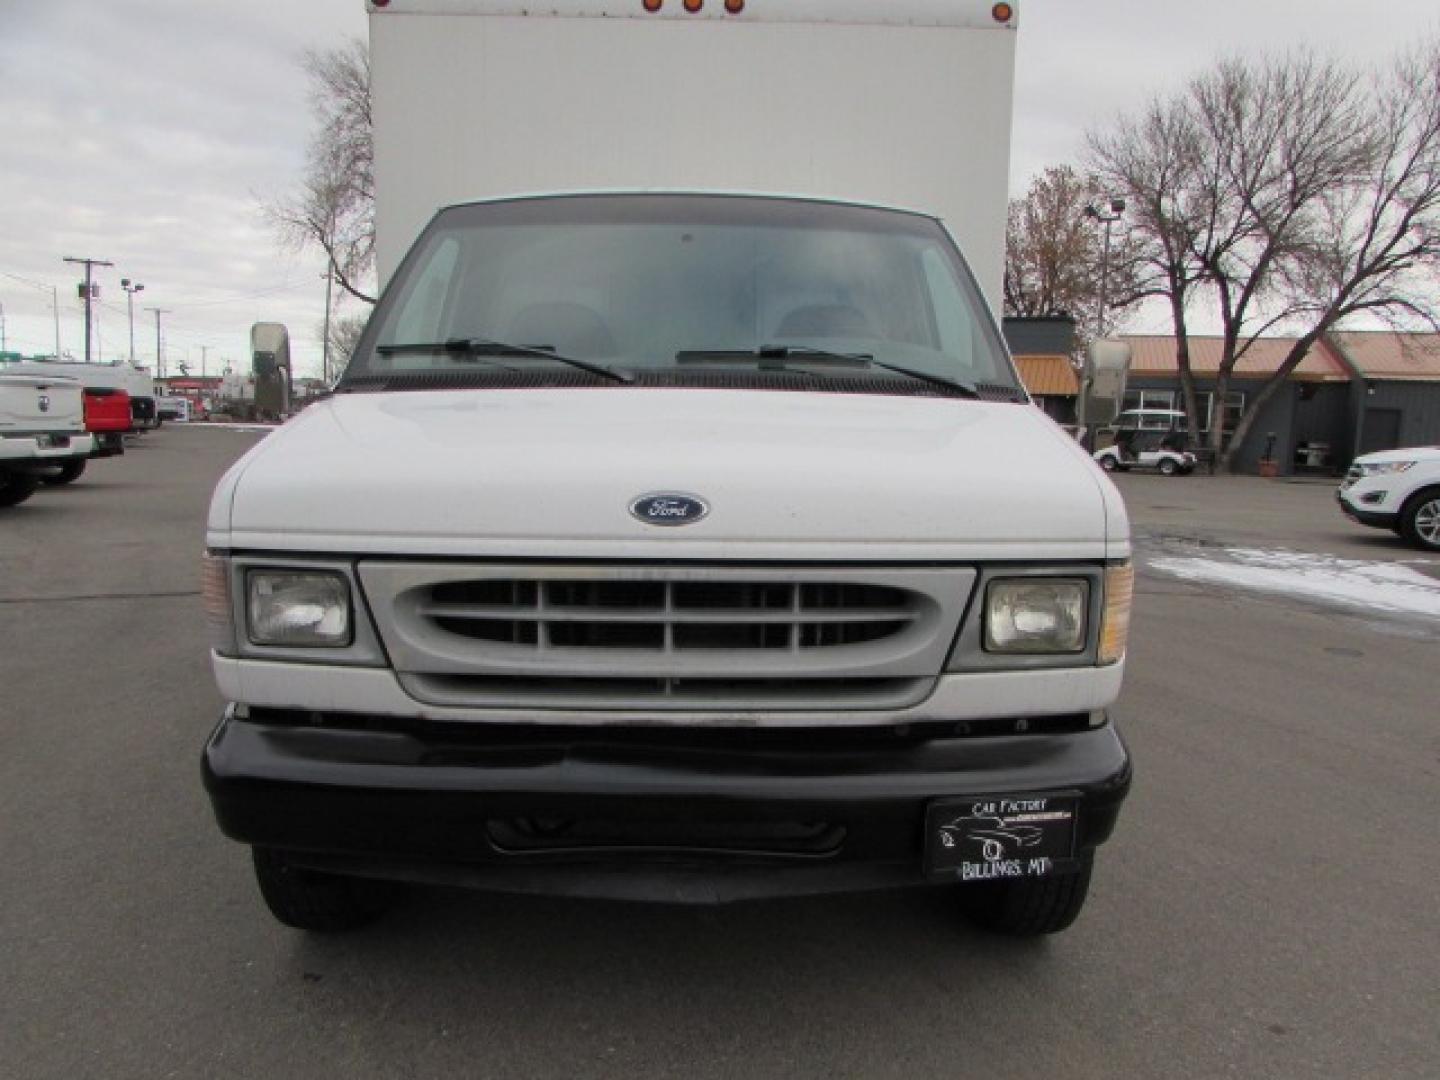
(1148,439)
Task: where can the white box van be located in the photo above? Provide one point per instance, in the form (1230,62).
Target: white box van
(674,544)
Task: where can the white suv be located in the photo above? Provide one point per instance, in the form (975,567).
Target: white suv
(1399,490)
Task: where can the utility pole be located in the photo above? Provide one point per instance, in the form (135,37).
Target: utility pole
(89,292)
(325,345)
(159,355)
(55,300)
(131,288)
(204,356)
(2,327)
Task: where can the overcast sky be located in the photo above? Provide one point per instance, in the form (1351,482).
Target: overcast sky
(145,131)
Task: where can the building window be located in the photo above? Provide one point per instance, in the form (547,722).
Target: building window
(1234,409)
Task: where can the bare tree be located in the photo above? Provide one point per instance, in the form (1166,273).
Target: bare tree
(333,208)
(1053,253)
(1155,161)
(345,334)
(1286,192)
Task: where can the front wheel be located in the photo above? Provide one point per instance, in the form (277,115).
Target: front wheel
(1420,520)
(314,900)
(67,473)
(1108,463)
(1029,907)
(16,487)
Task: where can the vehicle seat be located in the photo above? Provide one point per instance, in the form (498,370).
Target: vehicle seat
(825,321)
(571,329)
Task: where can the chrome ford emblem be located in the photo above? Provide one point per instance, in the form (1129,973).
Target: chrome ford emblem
(669,508)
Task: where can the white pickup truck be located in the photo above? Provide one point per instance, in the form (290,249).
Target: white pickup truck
(671,544)
(42,424)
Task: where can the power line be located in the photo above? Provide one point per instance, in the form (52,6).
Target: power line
(26,280)
(287,287)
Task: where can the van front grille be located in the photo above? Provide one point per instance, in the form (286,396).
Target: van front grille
(670,616)
(672,637)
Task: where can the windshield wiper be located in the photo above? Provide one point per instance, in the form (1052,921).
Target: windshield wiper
(785,352)
(484,348)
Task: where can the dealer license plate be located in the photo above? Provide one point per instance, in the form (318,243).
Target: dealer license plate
(994,837)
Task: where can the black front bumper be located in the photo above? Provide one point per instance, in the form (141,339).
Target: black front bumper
(698,816)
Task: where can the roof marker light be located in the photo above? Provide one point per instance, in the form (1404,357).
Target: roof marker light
(1003,12)
(734,7)
(654,5)
(693,6)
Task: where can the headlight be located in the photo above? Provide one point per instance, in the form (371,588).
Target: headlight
(298,608)
(1036,615)
(1386,468)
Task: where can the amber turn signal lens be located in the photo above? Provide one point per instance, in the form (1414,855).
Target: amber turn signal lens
(215,598)
(1115,625)
(1003,12)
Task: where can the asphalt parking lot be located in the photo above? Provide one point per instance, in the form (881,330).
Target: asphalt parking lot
(1270,906)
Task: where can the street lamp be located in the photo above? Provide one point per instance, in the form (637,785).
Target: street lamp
(131,288)
(1116,212)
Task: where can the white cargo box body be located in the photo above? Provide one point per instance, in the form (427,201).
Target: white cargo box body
(897,102)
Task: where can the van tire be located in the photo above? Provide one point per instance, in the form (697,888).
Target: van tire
(16,487)
(67,473)
(1168,467)
(1108,463)
(1420,519)
(1029,907)
(320,902)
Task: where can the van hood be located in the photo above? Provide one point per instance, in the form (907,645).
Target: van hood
(1411,453)
(554,473)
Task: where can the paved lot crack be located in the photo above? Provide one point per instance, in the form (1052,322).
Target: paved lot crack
(97,596)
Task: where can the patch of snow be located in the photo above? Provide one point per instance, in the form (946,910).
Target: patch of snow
(1377,586)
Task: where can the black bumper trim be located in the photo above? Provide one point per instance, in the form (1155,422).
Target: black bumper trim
(1371,518)
(391,804)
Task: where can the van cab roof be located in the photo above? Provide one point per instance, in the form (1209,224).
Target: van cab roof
(790,196)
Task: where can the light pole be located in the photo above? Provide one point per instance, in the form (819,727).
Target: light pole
(89,292)
(1116,212)
(131,288)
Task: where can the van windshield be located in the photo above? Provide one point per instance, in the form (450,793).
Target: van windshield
(645,282)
